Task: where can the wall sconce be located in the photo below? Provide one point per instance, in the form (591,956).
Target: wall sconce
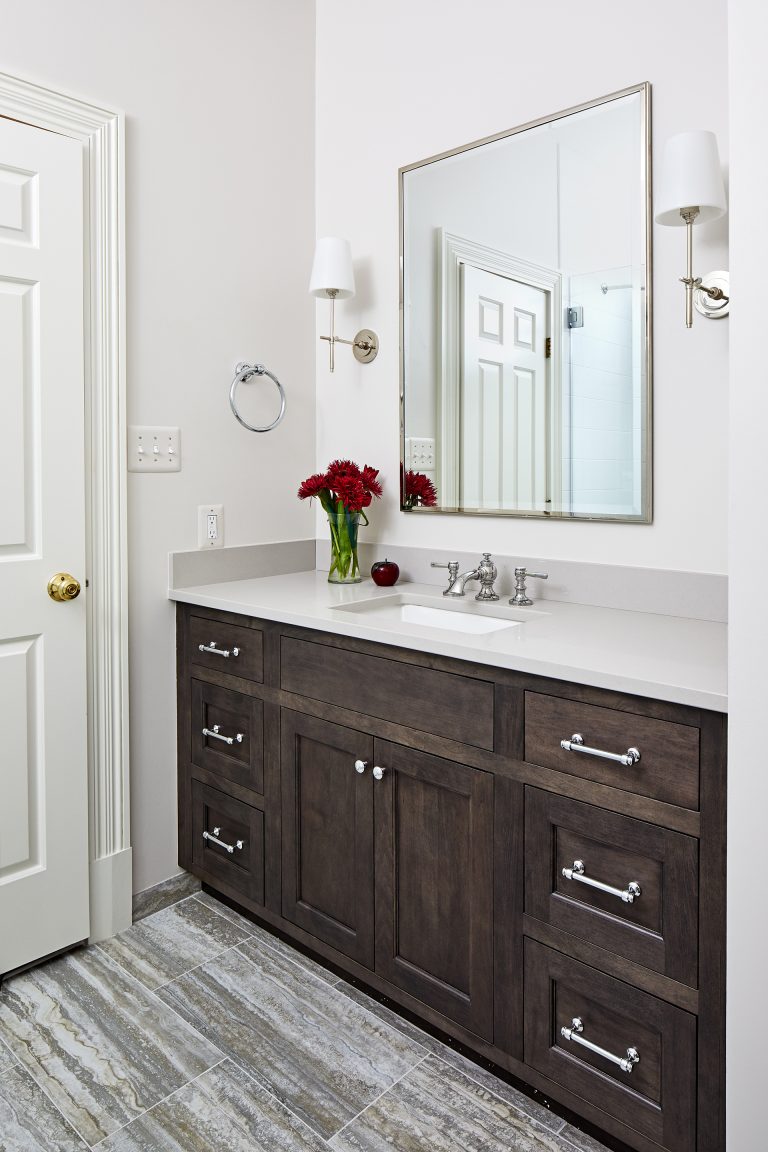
(692,192)
(332,276)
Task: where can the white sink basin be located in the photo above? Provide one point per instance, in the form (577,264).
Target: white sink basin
(466,616)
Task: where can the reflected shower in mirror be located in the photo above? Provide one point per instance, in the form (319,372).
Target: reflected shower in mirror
(525,296)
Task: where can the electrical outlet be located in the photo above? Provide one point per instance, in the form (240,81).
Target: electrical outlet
(421,452)
(210,526)
(154,449)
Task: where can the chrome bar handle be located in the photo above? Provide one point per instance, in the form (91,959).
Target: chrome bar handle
(576,744)
(626,1063)
(237,739)
(213,837)
(225,652)
(628,894)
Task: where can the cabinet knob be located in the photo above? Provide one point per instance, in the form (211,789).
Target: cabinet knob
(378,773)
(360,766)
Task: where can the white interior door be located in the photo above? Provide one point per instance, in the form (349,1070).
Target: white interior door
(504,393)
(43,755)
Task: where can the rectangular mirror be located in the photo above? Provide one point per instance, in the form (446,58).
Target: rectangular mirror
(526,317)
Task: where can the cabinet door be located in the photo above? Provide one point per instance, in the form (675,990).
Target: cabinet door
(327,838)
(434,882)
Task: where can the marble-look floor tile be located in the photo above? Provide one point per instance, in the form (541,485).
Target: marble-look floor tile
(474,1071)
(102,1047)
(168,943)
(163,895)
(573,1139)
(28,1120)
(6,1058)
(222,1111)
(308,1044)
(271,941)
(437,1108)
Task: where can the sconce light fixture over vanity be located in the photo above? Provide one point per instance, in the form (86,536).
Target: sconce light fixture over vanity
(332,277)
(692,192)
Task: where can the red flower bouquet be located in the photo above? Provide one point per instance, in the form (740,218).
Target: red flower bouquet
(345,491)
(418,491)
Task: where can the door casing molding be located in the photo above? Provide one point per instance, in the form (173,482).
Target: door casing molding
(101,133)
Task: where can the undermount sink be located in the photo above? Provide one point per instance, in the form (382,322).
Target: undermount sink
(469,617)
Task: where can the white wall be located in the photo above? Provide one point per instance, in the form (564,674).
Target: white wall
(402,81)
(219,170)
(748,556)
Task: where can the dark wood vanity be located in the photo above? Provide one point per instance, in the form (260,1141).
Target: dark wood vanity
(411,819)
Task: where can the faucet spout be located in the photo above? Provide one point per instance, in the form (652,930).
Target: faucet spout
(457,584)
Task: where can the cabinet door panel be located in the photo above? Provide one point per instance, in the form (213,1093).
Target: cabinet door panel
(434,882)
(328,833)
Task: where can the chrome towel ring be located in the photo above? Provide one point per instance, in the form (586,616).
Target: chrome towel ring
(243,373)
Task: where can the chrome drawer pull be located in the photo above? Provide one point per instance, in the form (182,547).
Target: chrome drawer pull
(238,739)
(225,652)
(628,894)
(212,836)
(626,1063)
(576,744)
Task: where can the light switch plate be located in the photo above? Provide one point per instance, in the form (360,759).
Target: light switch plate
(421,452)
(154,449)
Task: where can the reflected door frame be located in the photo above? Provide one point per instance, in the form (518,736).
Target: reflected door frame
(101,134)
(453,251)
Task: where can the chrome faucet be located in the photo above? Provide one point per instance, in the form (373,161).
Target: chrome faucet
(485,572)
(521,597)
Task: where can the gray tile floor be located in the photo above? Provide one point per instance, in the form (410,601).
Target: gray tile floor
(196,1031)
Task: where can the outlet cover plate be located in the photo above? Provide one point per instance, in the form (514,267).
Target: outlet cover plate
(210,525)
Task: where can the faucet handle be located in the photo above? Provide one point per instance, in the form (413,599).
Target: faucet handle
(521,596)
(453,570)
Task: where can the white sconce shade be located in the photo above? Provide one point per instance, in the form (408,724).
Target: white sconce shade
(332,269)
(691,177)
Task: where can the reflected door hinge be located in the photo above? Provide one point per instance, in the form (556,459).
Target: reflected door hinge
(574,317)
(548,347)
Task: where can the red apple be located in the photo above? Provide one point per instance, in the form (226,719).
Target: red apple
(385,573)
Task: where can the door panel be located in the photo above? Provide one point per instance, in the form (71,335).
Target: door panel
(434,882)
(43,771)
(505,392)
(328,833)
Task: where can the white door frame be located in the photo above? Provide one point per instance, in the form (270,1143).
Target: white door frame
(452,251)
(101,132)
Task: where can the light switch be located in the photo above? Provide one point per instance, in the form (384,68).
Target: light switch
(154,449)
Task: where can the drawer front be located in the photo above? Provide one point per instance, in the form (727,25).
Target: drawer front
(652,916)
(654,1095)
(237,826)
(668,768)
(445,704)
(227,734)
(232,648)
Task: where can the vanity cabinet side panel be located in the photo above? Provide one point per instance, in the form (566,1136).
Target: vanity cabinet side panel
(508,884)
(183,750)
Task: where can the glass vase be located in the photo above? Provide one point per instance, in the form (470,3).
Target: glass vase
(345,568)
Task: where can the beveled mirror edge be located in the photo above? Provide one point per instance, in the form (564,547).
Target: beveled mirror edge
(644,90)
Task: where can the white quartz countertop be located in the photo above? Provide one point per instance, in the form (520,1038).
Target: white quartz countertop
(667,657)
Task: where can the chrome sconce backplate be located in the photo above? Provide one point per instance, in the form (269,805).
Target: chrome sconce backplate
(713,307)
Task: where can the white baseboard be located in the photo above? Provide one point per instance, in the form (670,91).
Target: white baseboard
(111,895)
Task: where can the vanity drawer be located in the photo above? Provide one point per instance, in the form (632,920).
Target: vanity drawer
(227,734)
(655,1095)
(668,768)
(444,703)
(655,869)
(232,648)
(220,823)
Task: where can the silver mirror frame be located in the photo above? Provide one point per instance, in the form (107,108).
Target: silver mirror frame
(643,90)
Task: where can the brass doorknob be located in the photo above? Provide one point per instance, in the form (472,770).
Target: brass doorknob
(63,587)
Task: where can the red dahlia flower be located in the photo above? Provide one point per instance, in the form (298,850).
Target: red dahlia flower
(418,491)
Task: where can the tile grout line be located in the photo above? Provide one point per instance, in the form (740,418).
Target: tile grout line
(507,1103)
(157,1103)
(376,1099)
(20,1064)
